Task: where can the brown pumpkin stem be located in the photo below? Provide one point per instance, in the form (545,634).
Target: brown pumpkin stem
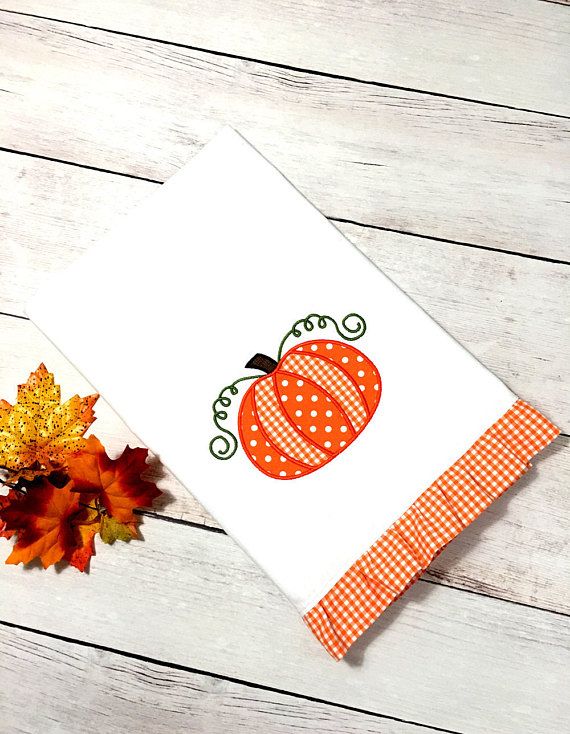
(262,362)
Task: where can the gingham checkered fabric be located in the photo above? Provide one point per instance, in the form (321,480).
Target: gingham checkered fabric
(333,380)
(495,461)
(285,436)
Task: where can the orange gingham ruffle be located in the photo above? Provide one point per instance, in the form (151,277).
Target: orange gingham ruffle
(397,559)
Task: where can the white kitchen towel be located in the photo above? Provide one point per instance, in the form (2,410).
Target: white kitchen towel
(365,437)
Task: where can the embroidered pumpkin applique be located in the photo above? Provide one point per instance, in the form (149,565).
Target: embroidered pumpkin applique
(307,406)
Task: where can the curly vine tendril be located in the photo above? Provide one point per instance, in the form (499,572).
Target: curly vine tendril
(224,446)
(352,327)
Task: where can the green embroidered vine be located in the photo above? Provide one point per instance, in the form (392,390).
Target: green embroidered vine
(350,334)
(351,328)
(229,446)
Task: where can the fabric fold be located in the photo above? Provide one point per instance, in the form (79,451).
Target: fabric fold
(404,551)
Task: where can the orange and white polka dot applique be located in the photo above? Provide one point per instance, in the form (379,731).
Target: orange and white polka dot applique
(307,407)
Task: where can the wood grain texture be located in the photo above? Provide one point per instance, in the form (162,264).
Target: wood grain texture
(510,312)
(396,159)
(51,686)
(438,656)
(24,348)
(514,53)
(50,213)
(391,158)
(519,549)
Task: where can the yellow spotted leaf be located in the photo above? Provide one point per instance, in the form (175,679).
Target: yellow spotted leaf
(37,433)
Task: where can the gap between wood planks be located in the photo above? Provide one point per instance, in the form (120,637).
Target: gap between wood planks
(157,516)
(228,55)
(489,592)
(230,679)
(287,67)
(470,189)
(419,235)
(190,589)
(433,582)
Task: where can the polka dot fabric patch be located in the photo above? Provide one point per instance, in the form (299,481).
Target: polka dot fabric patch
(264,454)
(354,363)
(314,403)
(314,414)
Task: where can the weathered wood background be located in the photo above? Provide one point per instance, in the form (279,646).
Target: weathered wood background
(435,136)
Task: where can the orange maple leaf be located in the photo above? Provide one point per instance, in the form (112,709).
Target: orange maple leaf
(87,525)
(47,520)
(116,483)
(37,433)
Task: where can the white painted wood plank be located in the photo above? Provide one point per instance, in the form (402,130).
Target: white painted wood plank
(512,54)
(24,347)
(439,656)
(519,549)
(49,686)
(49,213)
(392,158)
(511,312)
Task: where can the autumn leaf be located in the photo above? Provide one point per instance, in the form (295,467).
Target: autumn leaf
(112,530)
(116,483)
(37,433)
(86,527)
(47,520)
(63,489)
(5,501)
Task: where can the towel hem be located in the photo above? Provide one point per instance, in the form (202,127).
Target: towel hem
(497,459)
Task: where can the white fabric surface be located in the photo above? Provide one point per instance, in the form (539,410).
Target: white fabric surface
(217,265)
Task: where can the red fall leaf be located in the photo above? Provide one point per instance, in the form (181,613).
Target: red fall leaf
(116,483)
(48,520)
(5,501)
